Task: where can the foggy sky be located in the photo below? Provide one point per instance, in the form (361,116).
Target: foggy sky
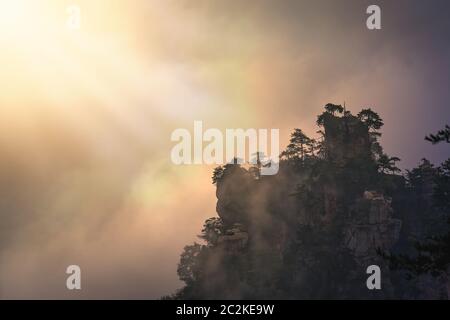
(86,176)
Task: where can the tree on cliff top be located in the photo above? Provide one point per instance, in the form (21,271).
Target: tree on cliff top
(300,145)
(370,118)
(386,164)
(333,108)
(330,110)
(374,122)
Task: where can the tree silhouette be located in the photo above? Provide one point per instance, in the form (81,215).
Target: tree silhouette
(374,122)
(257,163)
(212,229)
(189,268)
(333,108)
(330,110)
(300,145)
(386,164)
(217,174)
(433,253)
(321,119)
(370,118)
(440,136)
(320,145)
(418,177)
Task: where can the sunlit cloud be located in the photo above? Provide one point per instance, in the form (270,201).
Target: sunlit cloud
(86,117)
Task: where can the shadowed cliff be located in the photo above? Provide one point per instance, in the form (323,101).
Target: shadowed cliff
(311,231)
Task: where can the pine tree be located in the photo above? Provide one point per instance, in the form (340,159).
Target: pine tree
(299,147)
(441,135)
(371,119)
(386,164)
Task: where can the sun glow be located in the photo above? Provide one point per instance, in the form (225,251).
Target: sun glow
(82,76)
(114,97)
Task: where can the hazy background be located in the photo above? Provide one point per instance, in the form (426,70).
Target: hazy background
(86,117)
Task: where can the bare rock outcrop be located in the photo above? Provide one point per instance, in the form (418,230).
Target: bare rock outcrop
(371,227)
(232,195)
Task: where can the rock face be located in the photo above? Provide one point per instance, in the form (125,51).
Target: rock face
(234,240)
(346,138)
(232,194)
(370,227)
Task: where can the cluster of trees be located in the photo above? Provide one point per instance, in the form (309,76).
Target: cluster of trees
(301,147)
(432,253)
